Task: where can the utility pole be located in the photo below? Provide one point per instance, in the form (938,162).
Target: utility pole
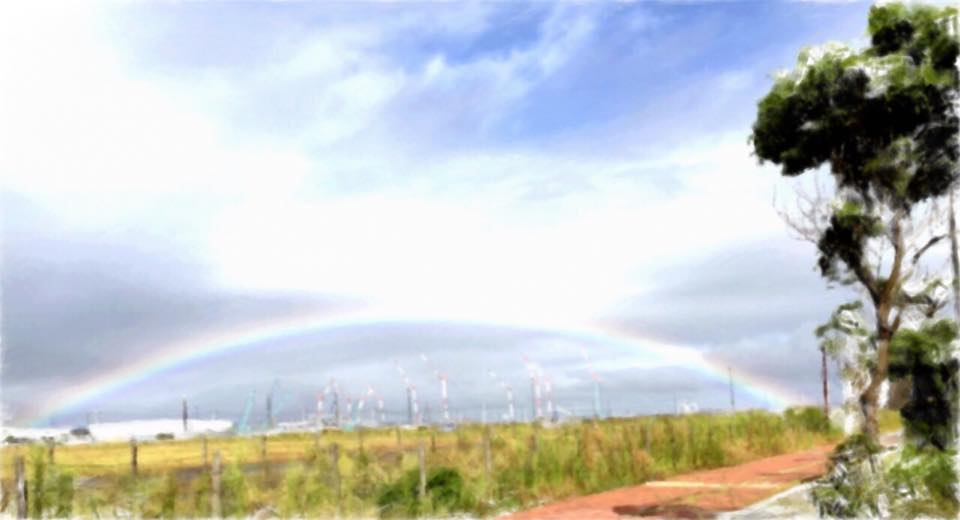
(733,402)
(183,413)
(823,376)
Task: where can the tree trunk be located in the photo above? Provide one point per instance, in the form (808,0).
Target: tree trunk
(954,258)
(870,397)
(883,301)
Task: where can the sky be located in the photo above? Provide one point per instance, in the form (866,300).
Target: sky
(494,174)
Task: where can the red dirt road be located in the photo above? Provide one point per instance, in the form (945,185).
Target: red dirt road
(695,495)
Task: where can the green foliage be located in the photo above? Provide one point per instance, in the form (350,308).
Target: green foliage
(200,491)
(233,489)
(915,31)
(309,489)
(844,240)
(809,418)
(50,489)
(851,488)
(168,497)
(923,483)
(883,119)
(925,356)
(37,482)
(446,493)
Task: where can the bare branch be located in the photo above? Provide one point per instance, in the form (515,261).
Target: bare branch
(810,215)
(930,243)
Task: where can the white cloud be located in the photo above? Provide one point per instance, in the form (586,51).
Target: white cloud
(483,253)
(452,231)
(98,146)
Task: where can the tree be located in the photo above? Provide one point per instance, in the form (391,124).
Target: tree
(884,120)
(926,357)
(844,339)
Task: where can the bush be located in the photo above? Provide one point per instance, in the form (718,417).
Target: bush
(446,493)
(233,487)
(50,488)
(923,482)
(852,486)
(168,496)
(809,418)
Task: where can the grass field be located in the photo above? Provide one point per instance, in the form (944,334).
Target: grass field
(376,471)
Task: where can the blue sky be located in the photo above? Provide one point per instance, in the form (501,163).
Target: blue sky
(181,169)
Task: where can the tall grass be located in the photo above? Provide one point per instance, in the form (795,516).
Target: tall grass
(378,474)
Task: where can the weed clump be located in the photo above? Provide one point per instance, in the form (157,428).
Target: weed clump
(445,494)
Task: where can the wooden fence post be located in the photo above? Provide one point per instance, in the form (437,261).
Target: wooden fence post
(335,470)
(422,459)
(263,458)
(133,456)
(487,455)
(20,475)
(51,447)
(215,492)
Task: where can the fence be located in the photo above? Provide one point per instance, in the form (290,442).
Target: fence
(501,466)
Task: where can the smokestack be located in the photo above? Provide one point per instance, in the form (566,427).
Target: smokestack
(416,406)
(410,407)
(444,399)
(596,399)
(336,404)
(270,409)
(548,388)
(535,406)
(319,408)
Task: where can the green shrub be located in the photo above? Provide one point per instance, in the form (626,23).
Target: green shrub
(233,489)
(168,496)
(808,418)
(852,486)
(201,495)
(923,482)
(50,488)
(36,482)
(445,489)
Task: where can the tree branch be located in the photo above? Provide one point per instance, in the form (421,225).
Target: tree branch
(930,243)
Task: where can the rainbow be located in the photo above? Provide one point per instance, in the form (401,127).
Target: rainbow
(170,357)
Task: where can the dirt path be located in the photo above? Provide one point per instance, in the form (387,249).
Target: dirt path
(702,494)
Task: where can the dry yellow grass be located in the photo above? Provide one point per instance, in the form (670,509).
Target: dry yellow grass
(113,458)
